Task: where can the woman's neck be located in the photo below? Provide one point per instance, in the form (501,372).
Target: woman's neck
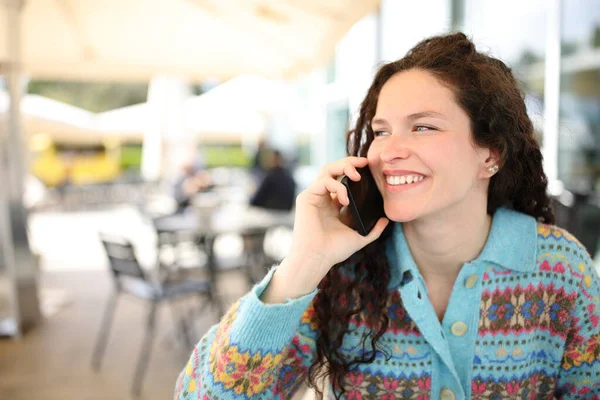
(441,244)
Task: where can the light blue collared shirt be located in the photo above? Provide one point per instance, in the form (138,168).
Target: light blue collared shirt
(511,244)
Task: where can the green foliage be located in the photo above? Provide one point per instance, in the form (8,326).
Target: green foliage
(596,37)
(221,156)
(528,57)
(304,152)
(131,157)
(568,48)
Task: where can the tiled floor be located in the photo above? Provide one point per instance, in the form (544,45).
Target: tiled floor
(52,361)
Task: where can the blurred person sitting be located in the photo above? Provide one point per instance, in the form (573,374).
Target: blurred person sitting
(277,191)
(192,181)
(260,167)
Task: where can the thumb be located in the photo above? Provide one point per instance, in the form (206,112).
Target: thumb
(377,230)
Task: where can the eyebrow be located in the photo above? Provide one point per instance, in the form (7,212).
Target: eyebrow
(412,117)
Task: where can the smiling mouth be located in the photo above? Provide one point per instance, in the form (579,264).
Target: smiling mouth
(403,180)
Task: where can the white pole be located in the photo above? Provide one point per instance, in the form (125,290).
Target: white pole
(552,90)
(21,266)
(10,323)
(167,141)
(15,93)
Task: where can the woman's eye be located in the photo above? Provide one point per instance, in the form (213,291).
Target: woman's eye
(423,128)
(381,133)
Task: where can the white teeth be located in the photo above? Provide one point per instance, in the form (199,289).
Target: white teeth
(401,180)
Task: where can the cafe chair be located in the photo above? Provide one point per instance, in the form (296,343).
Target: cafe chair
(578,215)
(130,278)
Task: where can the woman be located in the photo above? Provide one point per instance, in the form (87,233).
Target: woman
(467,293)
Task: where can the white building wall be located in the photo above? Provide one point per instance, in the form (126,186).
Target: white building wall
(403,24)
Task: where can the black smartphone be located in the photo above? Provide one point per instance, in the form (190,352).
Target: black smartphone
(366,203)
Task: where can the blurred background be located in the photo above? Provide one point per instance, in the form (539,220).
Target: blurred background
(150,152)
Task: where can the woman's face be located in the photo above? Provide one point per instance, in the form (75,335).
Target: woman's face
(423,158)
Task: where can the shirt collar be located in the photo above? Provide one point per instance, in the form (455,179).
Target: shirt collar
(511,244)
(402,265)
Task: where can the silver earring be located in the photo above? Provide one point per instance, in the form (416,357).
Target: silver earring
(493,170)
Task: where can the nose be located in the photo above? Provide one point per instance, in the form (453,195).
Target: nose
(395,147)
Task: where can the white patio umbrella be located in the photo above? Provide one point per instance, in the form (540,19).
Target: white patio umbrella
(237,109)
(126,40)
(63,122)
(136,39)
(263,95)
(206,122)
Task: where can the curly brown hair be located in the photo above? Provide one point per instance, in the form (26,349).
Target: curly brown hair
(488,92)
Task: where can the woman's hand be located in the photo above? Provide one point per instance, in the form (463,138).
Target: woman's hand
(320,239)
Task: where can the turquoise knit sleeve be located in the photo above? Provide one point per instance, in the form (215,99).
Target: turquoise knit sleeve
(257,351)
(579,375)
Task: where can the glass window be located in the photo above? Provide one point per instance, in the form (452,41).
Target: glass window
(489,22)
(579,137)
(337,126)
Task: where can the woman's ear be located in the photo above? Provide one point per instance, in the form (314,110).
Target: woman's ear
(491,165)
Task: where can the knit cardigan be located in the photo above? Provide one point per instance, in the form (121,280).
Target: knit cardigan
(522,322)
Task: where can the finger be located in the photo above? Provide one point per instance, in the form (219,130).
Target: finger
(337,201)
(377,230)
(351,172)
(349,168)
(329,185)
(346,166)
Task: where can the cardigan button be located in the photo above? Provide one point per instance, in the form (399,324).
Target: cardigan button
(447,394)
(471,281)
(458,328)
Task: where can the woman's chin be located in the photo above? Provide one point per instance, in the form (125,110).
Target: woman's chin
(397,214)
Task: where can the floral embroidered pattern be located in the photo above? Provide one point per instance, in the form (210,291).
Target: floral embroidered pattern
(244,372)
(294,368)
(581,352)
(179,387)
(309,317)
(367,386)
(400,321)
(538,337)
(188,380)
(546,231)
(517,310)
(536,386)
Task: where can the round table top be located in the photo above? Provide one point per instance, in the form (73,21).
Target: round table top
(224,219)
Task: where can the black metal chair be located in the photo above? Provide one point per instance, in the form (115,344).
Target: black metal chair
(580,217)
(130,278)
(589,227)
